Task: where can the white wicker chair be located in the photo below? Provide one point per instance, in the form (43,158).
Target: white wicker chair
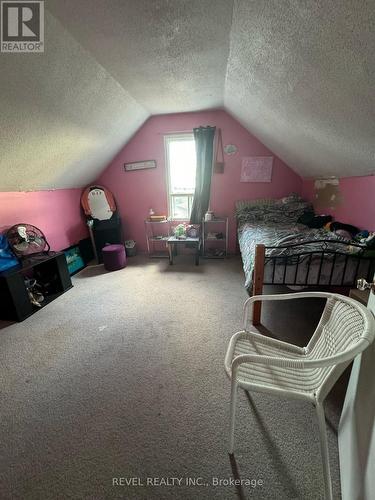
(258,363)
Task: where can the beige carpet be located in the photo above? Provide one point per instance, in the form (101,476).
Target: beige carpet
(122,377)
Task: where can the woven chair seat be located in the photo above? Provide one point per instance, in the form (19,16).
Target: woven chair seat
(260,376)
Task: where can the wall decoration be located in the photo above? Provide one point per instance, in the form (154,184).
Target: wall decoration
(323,182)
(327,193)
(139,165)
(74,259)
(256,169)
(219,163)
(98,203)
(230,149)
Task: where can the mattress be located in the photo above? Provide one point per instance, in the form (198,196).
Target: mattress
(291,266)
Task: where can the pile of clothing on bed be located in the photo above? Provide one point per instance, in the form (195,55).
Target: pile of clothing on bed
(290,221)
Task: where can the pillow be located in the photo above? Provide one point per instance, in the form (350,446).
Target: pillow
(284,210)
(240,204)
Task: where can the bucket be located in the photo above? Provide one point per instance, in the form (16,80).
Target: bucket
(131,248)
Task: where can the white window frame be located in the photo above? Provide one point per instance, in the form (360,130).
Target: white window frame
(188,136)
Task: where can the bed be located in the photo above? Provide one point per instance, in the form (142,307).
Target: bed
(277,250)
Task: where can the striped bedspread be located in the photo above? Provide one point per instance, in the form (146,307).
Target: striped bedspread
(272,234)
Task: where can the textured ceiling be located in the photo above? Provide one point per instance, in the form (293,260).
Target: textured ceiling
(62,116)
(299,74)
(171,55)
(301,77)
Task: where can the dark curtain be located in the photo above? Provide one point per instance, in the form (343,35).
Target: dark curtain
(204,145)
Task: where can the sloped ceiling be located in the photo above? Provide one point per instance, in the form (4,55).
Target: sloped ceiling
(301,77)
(298,74)
(171,55)
(62,116)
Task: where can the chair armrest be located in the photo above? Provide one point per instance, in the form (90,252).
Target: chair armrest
(282,296)
(298,363)
(281,344)
(229,356)
(266,360)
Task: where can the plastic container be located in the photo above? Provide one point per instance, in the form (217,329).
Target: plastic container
(131,248)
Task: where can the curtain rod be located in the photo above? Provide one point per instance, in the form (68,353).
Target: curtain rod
(182,131)
(177,132)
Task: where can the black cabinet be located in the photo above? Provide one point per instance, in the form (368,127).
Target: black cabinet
(107,232)
(50,270)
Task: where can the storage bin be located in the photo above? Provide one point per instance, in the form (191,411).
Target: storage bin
(131,248)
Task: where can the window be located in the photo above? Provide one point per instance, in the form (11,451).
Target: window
(181,166)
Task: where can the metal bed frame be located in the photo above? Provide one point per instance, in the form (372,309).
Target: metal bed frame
(291,257)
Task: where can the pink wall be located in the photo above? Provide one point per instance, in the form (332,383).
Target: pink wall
(137,191)
(57,213)
(357,206)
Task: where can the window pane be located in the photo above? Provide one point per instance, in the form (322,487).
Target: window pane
(180,207)
(182,165)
